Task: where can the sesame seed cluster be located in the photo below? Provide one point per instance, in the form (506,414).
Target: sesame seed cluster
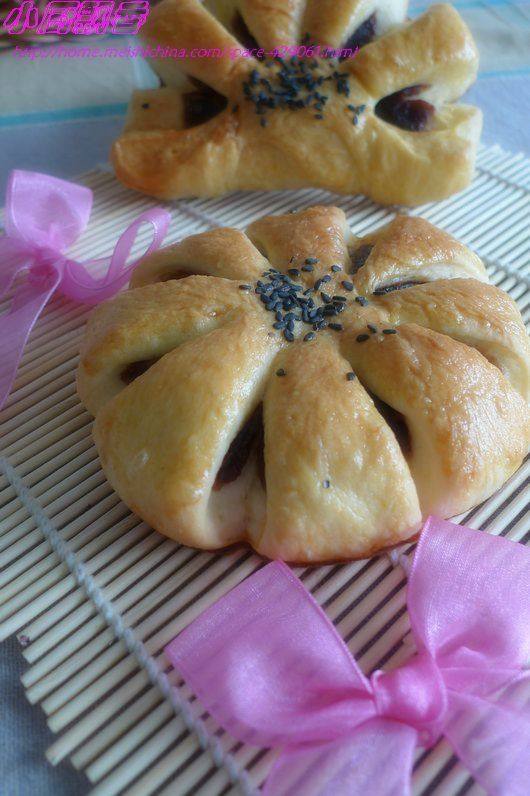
(298,83)
(292,304)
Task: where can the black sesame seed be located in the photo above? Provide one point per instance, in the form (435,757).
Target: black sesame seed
(347,285)
(311,260)
(330,309)
(245,287)
(341,299)
(289,336)
(281,372)
(326,278)
(279,325)
(337,327)
(336,268)
(389,331)
(362,337)
(361,300)
(145,104)
(371,327)
(350,376)
(326,484)
(309,336)
(325,298)
(308,268)
(318,284)
(294,272)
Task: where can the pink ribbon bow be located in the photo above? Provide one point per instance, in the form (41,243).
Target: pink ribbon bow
(270,667)
(44,216)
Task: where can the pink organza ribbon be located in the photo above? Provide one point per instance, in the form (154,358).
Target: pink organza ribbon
(44,216)
(270,667)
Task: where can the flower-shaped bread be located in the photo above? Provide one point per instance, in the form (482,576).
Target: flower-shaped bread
(382,123)
(313,393)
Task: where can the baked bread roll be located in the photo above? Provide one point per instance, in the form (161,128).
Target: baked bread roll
(382,123)
(311,392)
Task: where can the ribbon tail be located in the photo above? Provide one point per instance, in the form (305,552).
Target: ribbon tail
(80,285)
(492,738)
(377,759)
(14,258)
(16,325)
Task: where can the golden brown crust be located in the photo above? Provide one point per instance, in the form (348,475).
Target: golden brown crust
(468,427)
(435,418)
(477,314)
(434,53)
(187,24)
(223,252)
(321,428)
(163,455)
(318,232)
(411,248)
(446,61)
(332,22)
(145,324)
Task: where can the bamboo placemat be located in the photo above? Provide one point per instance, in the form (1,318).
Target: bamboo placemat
(92,664)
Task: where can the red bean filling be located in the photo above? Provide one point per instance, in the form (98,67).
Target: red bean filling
(359,256)
(382,291)
(135,369)
(248,438)
(202,104)
(173,275)
(362,35)
(409,114)
(242,33)
(397,423)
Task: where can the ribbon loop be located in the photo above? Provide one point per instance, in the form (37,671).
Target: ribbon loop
(44,216)
(45,211)
(289,690)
